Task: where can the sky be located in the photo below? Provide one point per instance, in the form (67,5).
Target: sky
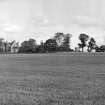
(40,19)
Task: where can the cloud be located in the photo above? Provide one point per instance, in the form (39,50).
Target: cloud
(88,22)
(8,27)
(39,21)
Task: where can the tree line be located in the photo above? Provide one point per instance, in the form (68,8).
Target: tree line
(60,42)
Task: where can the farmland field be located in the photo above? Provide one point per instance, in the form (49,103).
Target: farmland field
(52,79)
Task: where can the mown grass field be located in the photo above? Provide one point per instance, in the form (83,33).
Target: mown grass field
(52,79)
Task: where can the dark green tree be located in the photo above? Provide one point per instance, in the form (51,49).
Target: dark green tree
(28,46)
(97,49)
(83,38)
(59,37)
(102,48)
(63,41)
(66,42)
(40,48)
(1,45)
(50,45)
(91,44)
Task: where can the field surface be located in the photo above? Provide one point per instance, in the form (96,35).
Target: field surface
(52,79)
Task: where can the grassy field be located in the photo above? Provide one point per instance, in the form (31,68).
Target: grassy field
(52,79)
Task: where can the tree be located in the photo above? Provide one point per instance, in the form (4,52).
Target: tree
(40,48)
(66,42)
(7,46)
(28,46)
(32,44)
(50,45)
(59,37)
(97,49)
(63,41)
(83,38)
(2,45)
(14,46)
(102,48)
(91,44)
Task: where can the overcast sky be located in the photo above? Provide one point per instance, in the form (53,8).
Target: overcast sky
(40,19)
